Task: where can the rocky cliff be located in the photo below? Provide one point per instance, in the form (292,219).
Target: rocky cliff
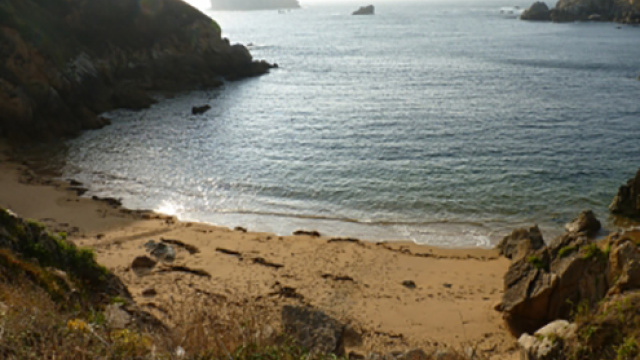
(623,11)
(63,62)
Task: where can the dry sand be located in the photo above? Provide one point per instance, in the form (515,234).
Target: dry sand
(356,281)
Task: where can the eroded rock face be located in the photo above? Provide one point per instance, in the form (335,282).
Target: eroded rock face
(549,283)
(520,242)
(545,284)
(624,266)
(627,200)
(63,62)
(539,11)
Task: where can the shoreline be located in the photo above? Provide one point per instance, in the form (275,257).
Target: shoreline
(358,282)
(442,233)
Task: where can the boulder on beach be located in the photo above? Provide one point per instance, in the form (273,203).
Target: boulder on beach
(313,329)
(365,10)
(539,11)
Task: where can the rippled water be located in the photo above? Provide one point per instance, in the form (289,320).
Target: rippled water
(444,123)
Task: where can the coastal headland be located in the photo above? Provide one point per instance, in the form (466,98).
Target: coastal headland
(66,62)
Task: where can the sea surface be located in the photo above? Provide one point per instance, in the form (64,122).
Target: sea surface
(446,123)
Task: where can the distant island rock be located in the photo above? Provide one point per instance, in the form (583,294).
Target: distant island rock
(539,11)
(246,5)
(65,62)
(622,11)
(364,10)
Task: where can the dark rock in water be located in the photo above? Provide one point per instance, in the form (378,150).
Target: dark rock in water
(520,242)
(539,11)
(365,10)
(161,251)
(108,54)
(585,222)
(314,330)
(627,200)
(197,110)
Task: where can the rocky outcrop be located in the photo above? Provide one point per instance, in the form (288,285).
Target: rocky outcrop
(539,11)
(627,200)
(585,223)
(521,241)
(610,10)
(550,283)
(62,62)
(545,284)
(244,5)
(624,11)
(365,10)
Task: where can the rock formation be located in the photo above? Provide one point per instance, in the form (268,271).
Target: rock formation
(365,10)
(627,201)
(550,283)
(623,11)
(544,284)
(65,61)
(521,242)
(244,5)
(585,223)
(539,11)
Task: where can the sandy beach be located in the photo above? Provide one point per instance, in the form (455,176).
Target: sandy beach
(369,285)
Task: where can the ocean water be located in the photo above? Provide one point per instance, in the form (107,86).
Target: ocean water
(446,123)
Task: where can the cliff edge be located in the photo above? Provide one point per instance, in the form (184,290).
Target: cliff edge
(63,62)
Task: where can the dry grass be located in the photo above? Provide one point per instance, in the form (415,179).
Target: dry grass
(609,331)
(33,326)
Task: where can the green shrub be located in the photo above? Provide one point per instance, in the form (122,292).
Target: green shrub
(537,262)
